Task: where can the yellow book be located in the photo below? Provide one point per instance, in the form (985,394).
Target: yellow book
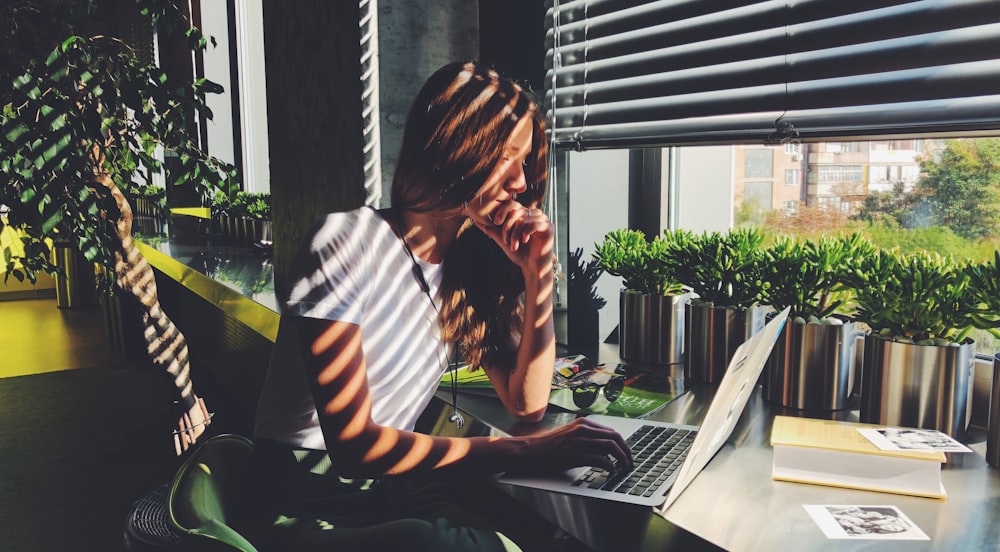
(825,452)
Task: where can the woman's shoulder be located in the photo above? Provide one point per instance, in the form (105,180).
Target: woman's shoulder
(360,223)
(365,215)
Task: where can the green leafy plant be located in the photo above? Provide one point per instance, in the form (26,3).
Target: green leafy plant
(220,203)
(923,298)
(582,285)
(723,269)
(984,286)
(809,276)
(83,123)
(259,206)
(239,205)
(644,265)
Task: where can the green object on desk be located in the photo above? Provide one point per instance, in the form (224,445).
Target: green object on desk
(634,402)
(643,394)
(467,379)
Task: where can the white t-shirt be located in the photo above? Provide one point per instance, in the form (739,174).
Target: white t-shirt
(357,271)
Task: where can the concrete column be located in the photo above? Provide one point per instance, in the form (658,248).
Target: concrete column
(312,53)
(415,39)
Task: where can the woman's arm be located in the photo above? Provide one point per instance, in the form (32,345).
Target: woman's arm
(524,390)
(358,446)
(527,237)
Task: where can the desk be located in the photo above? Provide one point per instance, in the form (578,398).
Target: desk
(734,504)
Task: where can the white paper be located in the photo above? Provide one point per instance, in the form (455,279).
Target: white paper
(897,438)
(864,522)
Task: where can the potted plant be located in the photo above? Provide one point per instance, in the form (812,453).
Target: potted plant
(984,286)
(812,365)
(651,329)
(259,220)
(723,272)
(918,357)
(220,205)
(238,215)
(149,207)
(80,121)
(143,199)
(583,327)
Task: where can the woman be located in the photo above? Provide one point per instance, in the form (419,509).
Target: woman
(462,263)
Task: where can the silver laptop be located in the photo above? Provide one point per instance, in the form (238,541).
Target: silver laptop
(668,456)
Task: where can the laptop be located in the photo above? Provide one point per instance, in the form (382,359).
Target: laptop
(668,456)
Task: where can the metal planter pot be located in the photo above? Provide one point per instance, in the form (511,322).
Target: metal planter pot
(651,329)
(266,227)
(75,286)
(712,336)
(922,386)
(812,367)
(993,422)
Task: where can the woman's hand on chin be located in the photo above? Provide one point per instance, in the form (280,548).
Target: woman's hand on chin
(525,234)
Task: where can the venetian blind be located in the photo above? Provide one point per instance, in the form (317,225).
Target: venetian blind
(631,73)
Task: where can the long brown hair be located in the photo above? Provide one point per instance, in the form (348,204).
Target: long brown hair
(454,137)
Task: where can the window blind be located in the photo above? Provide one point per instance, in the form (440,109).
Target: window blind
(632,73)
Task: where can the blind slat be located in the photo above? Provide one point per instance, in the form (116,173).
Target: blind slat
(938,117)
(875,26)
(951,47)
(716,66)
(952,81)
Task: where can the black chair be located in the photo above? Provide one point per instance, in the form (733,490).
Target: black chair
(208,496)
(148,527)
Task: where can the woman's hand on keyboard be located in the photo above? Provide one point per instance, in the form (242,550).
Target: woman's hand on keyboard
(579,443)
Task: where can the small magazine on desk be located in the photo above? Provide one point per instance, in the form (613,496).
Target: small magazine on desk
(578,386)
(834,453)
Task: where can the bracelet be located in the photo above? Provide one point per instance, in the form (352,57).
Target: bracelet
(185,437)
(191,428)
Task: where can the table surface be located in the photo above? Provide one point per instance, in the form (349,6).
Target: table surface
(735,505)
(239,279)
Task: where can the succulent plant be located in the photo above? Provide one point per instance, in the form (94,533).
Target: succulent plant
(645,265)
(723,269)
(923,298)
(984,286)
(809,276)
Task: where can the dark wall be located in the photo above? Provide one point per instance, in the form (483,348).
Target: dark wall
(512,39)
(312,53)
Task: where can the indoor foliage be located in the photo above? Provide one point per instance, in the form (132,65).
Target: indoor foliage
(80,124)
(85,122)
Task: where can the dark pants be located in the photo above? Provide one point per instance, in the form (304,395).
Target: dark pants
(403,512)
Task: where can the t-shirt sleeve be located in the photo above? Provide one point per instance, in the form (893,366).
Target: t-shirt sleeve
(327,276)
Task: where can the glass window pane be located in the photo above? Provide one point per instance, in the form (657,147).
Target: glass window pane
(915,194)
(758,163)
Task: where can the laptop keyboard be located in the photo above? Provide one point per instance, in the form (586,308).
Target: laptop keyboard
(657,453)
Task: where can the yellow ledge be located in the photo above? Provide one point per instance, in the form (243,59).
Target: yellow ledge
(200,212)
(258,317)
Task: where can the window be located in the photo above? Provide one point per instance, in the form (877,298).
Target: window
(758,193)
(839,173)
(719,89)
(793,177)
(758,163)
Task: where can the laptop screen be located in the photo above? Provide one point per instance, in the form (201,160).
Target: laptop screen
(734,391)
